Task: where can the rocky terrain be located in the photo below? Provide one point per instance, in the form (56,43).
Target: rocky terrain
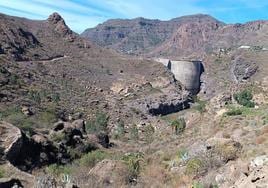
(183,37)
(80,115)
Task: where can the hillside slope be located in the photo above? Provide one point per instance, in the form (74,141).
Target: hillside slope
(188,36)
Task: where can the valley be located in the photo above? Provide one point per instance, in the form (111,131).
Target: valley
(133,103)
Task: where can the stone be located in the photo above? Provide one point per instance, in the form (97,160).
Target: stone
(259,161)
(103,139)
(10,183)
(27,111)
(80,125)
(244,69)
(11,140)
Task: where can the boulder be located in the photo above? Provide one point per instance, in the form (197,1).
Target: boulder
(11,140)
(27,111)
(259,161)
(80,125)
(244,69)
(222,99)
(10,183)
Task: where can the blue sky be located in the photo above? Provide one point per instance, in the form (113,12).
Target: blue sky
(82,14)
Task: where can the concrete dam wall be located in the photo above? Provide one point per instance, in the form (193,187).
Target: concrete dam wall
(186,72)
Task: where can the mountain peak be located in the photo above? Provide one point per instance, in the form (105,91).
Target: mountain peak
(55,18)
(59,24)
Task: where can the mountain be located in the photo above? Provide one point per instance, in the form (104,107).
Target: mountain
(187,36)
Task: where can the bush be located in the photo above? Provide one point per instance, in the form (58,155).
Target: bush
(120,130)
(198,185)
(201,105)
(14,116)
(92,158)
(194,166)
(57,170)
(244,98)
(133,162)
(2,172)
(234,112)
(178,125)
(134,132)
(99,124)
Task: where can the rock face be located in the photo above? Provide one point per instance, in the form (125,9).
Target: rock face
(11,140)
(244,69)
(34,152)
(143,35)
(7,183)
(188,36)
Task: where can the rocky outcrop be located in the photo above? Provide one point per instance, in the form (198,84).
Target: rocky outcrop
(162,104)
(11,141)
(244,69)
(10,182)
(60,26)
(34,152)
(74,135)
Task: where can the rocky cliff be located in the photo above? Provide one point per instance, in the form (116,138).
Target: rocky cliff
(189,36)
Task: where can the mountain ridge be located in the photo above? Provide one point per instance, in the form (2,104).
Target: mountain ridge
(177,37)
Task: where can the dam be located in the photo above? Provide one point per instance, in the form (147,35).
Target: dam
(186,72)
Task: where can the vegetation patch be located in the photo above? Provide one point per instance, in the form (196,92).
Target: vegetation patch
(244,98)
(119,132)
(200,104)
(2,172)
(178,126)
(98,124)
(58,170)
(92,158)
(194,166)
(234,112)
(133,161)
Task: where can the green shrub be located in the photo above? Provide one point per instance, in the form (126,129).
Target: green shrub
(244,98)
(58,137)
(234,112)
(98,124)
(201,105)
(14,116)
(133,160)
(194,166)
(198,185)
(2,172)
(57,170)
(35,96)
(178,125)
(119,131)
(47,117)
(92,158)
(182,154)
(134,132)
